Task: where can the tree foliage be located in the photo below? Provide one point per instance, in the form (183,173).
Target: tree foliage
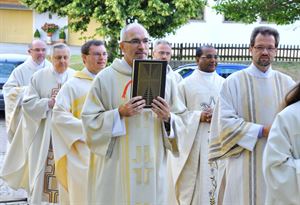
(160,17)
(248,11)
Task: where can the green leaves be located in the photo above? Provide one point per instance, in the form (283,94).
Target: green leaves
(248,11)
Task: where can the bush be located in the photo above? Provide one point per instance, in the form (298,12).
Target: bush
(37,34)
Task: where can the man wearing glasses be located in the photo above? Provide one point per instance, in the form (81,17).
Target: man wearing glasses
(199,92)
(248,103)
(13,89)
(128,142)
(29,163)
(162,50)
(71,153)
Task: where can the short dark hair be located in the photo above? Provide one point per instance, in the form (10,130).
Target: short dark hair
(85,48)
(199,50)
(264,30)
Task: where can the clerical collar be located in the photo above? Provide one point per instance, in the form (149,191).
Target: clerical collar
(60,77)
(207,74)
(35,65)
(89,73)
(253,70)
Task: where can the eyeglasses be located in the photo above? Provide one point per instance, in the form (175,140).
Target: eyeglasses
(164,53)
(261,49)
(209,56)
(136,41)
(38,49)
(96,54)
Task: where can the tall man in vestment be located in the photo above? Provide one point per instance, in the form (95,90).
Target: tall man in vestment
(162,50)
(199,92)
(128,142)
(249,100)
(18,81)
(71,152)
(30,163)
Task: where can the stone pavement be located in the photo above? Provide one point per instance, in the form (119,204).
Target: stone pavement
(7,193)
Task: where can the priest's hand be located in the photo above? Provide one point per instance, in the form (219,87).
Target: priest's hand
(266,130)
(161,108)
(134,106)
(51,103)
(206,115)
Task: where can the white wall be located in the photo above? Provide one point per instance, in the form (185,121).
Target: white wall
(40,19)
(215,30)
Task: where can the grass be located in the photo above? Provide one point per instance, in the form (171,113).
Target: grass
(76,62)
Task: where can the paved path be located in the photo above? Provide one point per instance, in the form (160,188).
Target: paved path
(6,193)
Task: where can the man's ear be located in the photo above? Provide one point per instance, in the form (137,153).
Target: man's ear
(197,59)
(250,49)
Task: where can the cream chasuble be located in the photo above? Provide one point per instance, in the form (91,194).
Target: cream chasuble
(175,76)
(71,153)
(29,163)
(199,91)
(13,91)
(281,161)
(128,169)
(248,100)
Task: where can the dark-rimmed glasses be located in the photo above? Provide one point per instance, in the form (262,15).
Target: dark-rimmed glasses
(136,41)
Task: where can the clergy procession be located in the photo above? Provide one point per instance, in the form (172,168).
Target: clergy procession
(80,137)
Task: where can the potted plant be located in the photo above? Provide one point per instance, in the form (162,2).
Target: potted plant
(62,36)
(50,28)
(37,34)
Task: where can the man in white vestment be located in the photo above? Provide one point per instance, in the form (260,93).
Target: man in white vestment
(162,50)
(13,89)
(128,142)
(281,161)
(71,153)
(249,100)
(199,92)
(29,163)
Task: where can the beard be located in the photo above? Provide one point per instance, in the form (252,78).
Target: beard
(264,62)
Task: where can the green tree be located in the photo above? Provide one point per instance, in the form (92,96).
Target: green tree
(248,11)
(160,17)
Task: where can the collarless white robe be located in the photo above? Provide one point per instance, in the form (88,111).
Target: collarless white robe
(128,169)
(13,92)
(198,92)
(281,161)
(248,100)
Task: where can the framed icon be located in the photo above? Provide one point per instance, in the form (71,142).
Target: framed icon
(149,79)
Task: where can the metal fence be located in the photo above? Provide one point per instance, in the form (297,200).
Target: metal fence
(231,52)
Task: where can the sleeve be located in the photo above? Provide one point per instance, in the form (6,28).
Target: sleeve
(227,127)
(33,104)
(13,93)
(281,168)
(97,118)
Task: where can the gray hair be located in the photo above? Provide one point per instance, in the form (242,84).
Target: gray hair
(59,46)
(129,26)
(162,41)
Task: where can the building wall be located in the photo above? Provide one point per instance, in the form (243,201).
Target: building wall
(213,29)
(16,26)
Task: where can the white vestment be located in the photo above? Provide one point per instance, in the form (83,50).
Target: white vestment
(127,169)
(71,153)
(13,91)
(199,91)
(25,164)
(174,75)
(281,161)
(248,100)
